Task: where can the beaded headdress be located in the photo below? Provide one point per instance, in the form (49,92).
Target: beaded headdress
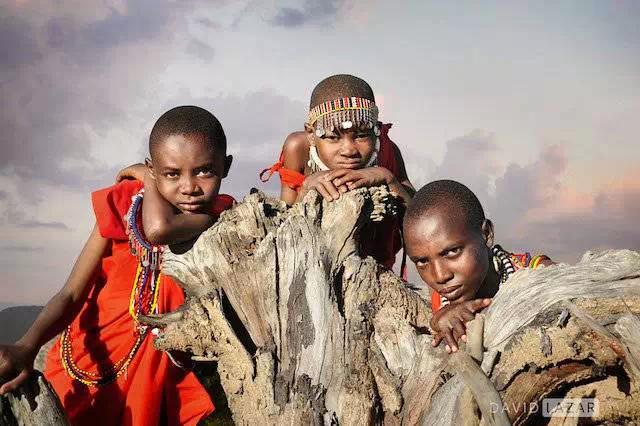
(343,113)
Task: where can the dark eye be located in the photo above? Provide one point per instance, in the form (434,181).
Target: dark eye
(205,172)
(330,137)
(362,135)
(421,263)
(453,252)
(171,175)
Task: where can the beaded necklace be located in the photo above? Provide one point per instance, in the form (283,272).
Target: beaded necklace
(143,300)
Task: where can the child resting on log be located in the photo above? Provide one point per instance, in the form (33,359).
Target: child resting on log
(451,243)
(344,147)
(104,367)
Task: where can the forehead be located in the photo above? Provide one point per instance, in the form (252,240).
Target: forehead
(190,146)
(435,229)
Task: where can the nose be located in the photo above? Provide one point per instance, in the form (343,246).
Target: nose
(348,146)
(441,272)
(188,185)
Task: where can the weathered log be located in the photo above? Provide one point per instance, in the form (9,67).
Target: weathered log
(306,331)
(33,404)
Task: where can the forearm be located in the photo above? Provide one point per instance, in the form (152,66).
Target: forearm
(65,305)
(403,191)
(54,318)
(162,224)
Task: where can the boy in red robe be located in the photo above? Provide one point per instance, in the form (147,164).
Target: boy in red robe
(104,368)
(344,147)
(451,243)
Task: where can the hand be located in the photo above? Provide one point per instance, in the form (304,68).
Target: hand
(361,178)
(322,182)
(135,171)
(16,363)
(449,322)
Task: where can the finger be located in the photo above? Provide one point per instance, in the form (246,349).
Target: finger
(15,383)
(467,315)
(477,304)
(458,329)
(331,189)
(338,174)
(341,188)
(322,191)
(451,341)
(436,340)
(447,348)
(357,184)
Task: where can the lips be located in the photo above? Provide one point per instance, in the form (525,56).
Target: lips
(349,164)
(190,207)
(451,292)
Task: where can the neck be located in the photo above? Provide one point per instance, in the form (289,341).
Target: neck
(491,282)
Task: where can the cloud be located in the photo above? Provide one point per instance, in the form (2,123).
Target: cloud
(532,205)
(17,47)
(41,224)
(200,50)
(20,249)
(310,12)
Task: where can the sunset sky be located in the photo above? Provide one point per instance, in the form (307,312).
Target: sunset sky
(534,105)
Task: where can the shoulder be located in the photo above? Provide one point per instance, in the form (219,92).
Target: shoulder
(111,204)
(295,150)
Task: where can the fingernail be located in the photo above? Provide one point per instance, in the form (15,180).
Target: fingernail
(463,337)
(454,349)
(447,348)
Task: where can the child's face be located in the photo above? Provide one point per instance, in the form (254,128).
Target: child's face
(188,171)
(451,258)
(345,149)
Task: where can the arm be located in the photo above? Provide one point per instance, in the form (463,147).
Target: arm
(162,224)
(403,178)
(56,315)
(134,171)
(296,153)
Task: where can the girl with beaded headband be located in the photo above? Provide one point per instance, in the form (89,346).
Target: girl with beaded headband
(104,366)
(452,245)
(344,147)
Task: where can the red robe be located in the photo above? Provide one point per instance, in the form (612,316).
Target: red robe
(152,389)
(386,239)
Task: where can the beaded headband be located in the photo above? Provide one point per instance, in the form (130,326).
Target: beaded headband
(343,113)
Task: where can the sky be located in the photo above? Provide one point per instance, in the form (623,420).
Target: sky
(533,105)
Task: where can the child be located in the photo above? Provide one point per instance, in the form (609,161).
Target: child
(104,368)
(344,147)
(451,243)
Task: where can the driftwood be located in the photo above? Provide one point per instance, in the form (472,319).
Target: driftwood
(33,404)
(305,331)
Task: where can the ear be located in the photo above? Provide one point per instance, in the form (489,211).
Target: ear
(149,164)
(310,131)
(227,165)
(487,232)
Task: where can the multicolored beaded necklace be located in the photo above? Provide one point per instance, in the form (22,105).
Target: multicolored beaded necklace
(143,300)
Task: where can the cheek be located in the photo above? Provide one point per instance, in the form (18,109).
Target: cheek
(327,151)
(475,267)
(366,147)
(166,187)
(210,187)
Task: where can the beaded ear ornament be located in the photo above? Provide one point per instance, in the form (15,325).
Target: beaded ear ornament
(343,113)
(143,300)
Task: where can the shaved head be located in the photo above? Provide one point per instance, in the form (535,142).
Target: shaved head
(458,200)
(340,86)
(188,119)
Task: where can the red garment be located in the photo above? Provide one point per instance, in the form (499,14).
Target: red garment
(153,389)
(386,240)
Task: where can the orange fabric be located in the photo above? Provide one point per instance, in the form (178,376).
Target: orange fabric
(291,178)
(152,388)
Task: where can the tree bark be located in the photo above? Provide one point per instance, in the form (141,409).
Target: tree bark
(306,331)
